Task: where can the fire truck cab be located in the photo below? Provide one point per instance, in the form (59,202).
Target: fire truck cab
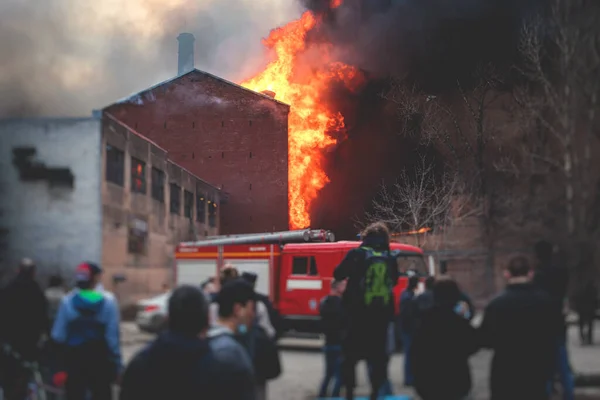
(295,276)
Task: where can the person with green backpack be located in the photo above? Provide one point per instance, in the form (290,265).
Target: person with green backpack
(368,301)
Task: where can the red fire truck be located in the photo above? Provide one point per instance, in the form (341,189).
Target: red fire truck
(294,268)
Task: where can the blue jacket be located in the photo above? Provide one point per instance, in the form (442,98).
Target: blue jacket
(86,316)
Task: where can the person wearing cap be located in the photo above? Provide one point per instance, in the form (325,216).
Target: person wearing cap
(23,322)
(87,329)
(233,370)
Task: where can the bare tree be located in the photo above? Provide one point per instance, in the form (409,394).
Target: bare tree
(419,200)
(557,113)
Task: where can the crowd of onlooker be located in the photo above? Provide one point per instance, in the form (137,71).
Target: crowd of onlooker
(524,326)
(221,338)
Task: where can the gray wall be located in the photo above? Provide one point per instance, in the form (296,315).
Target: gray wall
(41,215)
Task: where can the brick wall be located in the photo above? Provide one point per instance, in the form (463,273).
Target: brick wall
(233,138)
(148,269)
(42,216)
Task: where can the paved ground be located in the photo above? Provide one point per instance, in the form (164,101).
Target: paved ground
(303,367)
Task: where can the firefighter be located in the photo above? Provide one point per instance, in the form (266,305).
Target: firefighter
(372,272)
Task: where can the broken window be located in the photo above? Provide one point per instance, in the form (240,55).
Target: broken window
(138,176)
(115,165)
(138,234)
(212,213)
(158,185)
(301,266)
(188,203)
(201,207)
(175,205)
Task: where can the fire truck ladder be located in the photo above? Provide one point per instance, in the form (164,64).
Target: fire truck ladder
(297,236)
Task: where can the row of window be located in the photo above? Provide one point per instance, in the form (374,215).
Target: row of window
(115,173)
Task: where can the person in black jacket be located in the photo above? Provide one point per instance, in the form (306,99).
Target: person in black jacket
(586,304)
(441,348)
(552,277)
(332,320)
(274,315)
(181,362)
(519,326)
(372,272)
(23,321)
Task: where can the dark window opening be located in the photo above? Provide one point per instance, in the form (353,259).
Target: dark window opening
(136,125)
(212,213)
(194,124)
(188,201)
(137,236)
(201,208)
(222,154)
(158,185)
(222,124)
(250,123)
(115,165)
(138,176)
(250,154)
(250,186)
(300,266)
(165,125)
(175,205)
(193,155)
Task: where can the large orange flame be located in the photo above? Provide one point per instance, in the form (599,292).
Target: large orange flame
(299,79)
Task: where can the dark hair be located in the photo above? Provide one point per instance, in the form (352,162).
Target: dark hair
(413,282)
(518,266)
(543,250)
(429,282)
(446,292)
(377,230)
(250,277)
(236,291)
(27,267)
(228,273)
(55,281)
(188,311)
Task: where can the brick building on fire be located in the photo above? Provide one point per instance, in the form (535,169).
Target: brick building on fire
(232,137)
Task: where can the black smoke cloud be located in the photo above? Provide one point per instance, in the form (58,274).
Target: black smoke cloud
(67,57)
(432,43)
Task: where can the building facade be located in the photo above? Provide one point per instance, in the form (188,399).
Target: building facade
(232,137)
(150,204)
(50,204)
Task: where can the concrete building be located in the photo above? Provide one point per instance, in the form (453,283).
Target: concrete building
(232,137)
(85,189)
(150,204)
(50,204)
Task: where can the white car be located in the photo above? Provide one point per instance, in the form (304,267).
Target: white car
(152,313)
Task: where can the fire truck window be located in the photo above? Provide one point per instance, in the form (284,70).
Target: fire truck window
(313,266)
(412,263)
(300,266)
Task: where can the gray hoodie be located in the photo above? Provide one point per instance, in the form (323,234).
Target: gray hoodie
(233,363)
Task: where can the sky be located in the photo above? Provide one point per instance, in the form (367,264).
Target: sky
(67,57)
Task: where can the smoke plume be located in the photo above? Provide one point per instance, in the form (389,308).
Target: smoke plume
(67,57)
(432,43)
